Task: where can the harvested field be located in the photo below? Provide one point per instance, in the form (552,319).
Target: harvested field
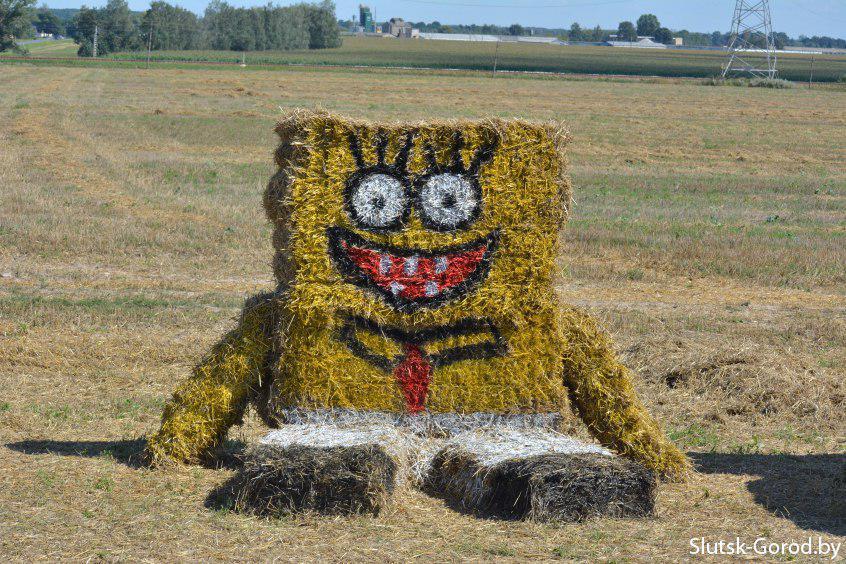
(708,236)
(522,57)
(375,51)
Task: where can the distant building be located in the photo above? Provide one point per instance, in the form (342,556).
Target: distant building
(678,41)
(615,37)
(398,28)
(492,38)
(641,43)
(365,18)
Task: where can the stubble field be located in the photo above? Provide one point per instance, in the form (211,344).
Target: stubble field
(386,52)
(709,235)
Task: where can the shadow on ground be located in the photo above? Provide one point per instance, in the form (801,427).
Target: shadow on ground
(810,490)
(128,451)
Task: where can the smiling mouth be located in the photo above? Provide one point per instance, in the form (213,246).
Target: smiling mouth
(409,279)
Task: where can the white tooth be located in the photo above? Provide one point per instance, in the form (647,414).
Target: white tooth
(396,288)
(410,266)
(384,264)
(441,264)
(431,288)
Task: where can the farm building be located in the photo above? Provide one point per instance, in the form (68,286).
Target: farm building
(365,18)
(398,27)
(492,38)
(641,43)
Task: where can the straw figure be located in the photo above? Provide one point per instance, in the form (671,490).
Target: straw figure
(415,336)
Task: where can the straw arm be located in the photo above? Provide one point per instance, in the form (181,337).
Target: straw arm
(601,390)
(205,406)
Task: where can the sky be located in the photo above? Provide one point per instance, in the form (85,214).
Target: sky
(794,17)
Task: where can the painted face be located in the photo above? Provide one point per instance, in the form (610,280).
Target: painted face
(422,268)
(445,198)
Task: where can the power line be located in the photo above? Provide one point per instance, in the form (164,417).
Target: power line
(524,6)
(828,17)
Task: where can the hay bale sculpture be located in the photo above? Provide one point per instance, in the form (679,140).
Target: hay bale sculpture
(415,335)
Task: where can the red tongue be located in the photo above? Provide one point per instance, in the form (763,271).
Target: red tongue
(413,375)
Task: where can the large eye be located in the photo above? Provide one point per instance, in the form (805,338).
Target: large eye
(379,201)
(449,201)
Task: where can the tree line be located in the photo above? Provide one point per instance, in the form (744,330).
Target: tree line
(646,25)
(223,27)
(164,26)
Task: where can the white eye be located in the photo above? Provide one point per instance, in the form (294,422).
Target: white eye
(449,201)
(378,202)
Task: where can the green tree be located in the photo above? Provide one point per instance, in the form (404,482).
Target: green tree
(323,26)
(781,40)
(598,34)
(289,28)
(576,33)
(647,24)
(515,29)
(47,22)
(84,23)
(242,37)
(14,21)
(626,32)
(663,35)
(693,38)
(299,26)
(119,31)
(164,26)
(115,26)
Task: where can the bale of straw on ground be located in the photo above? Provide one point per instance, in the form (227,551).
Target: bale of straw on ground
(335,480)
(486,337)
(551,487)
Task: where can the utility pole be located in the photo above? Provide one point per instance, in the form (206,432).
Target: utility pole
(811,76)
(96,32)
(750,25)
(496,56)
(150,40)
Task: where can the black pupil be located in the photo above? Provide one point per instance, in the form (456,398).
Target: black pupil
(448,201)
(378,202)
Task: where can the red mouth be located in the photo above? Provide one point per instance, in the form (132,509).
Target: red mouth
(412,278)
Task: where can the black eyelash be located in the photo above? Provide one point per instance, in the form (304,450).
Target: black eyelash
(399,170)
(456,164)
(483,155)
(355,149)
(400,165)
(401,160)
(381,145)
(457,145)
(429,154)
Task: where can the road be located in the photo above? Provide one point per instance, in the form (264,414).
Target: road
(30,41)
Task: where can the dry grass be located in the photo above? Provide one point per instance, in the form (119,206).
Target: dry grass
(708,235)
(512,56)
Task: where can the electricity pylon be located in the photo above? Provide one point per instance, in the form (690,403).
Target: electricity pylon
(751,37)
